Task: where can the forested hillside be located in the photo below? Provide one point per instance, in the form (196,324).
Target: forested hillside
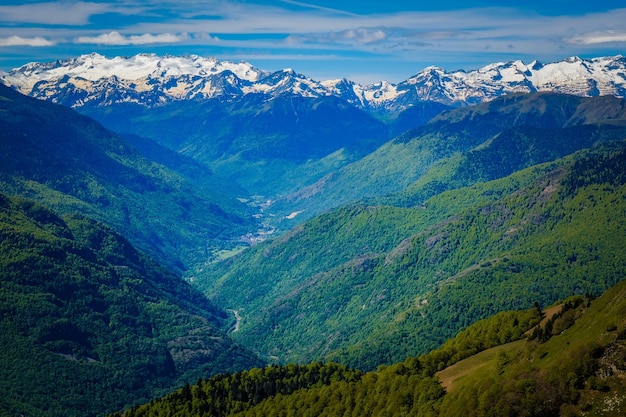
(89,325)
(72,164)
(251,140)
(368,285)
(463,146)
(268,146)
(496,367)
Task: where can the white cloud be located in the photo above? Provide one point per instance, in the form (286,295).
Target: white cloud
(115,38)
(20,41)
(600,37)
(404,35)
(349,37)
(301,28)
(365,35)
(52,13)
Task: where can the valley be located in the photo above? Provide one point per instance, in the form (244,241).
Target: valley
(248,241)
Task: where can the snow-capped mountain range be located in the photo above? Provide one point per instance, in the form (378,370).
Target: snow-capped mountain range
(152,80)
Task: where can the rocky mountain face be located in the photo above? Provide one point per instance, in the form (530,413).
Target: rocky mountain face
(151,80)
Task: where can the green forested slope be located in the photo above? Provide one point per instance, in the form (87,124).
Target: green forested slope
(577,367)
(254,141)
(485,142)
(84,315)
(371,285)
(88,325)
(72,164)
(225,394)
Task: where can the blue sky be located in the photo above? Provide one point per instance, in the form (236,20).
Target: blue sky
(365,41)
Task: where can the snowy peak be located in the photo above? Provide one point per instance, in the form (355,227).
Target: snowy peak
(598,76)
(151,80)
(95,67)
(287,81)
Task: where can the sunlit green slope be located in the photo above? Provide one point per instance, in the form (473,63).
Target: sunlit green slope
(572,364)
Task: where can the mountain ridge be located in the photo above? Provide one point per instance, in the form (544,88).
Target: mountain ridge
(153,80)
(368,283)
(407,158)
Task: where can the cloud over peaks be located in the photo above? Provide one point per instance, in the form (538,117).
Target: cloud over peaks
(116,38)
(52,13)
(20,41)
(600,37)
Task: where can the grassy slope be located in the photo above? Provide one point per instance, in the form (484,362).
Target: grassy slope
(588,357)
(579,371)
(478,363)
(479,366)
